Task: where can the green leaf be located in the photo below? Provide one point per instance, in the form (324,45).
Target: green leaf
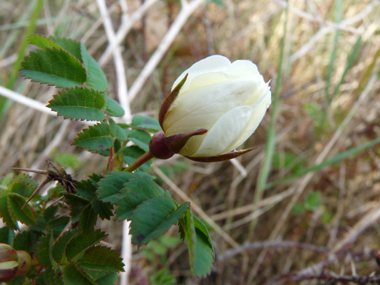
(188,231)
(102,259)
(25,240)
(73,275)
(86,189)
(88,217)
(298,209)
(200,226)
(24,215)
(43,250)
(83,241)
(133,152)
(69,45)
(5,212)
(140,138)
(204,255)
(103,209)
(97,137)
(59,248)
(107,279)
(53,67)
(153,217)
(79,103)
(22,188)
(95,76)
(162,277)
(113,108)
(313,201)
(43,42)
(76,203)
(26,179)
(146,122)
(110,186)
(135,192)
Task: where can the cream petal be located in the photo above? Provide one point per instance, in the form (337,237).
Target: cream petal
(202,107)
(228,128)
(259,109)
(245,66)
(214,63)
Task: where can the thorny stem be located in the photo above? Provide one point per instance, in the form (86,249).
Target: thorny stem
(138,162)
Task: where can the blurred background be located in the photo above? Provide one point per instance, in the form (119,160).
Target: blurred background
(303,207)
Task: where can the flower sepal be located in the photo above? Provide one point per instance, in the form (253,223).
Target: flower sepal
(221,157)
(164,147)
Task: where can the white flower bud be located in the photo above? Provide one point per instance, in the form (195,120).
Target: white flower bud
(228,99)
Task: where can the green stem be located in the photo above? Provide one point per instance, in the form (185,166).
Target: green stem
(140,161)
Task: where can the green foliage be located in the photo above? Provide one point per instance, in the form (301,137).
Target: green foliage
(311,203)
(61,232)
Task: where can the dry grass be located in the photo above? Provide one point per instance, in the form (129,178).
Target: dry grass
(337,238)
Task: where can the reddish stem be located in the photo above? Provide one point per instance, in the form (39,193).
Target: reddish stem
(138,162)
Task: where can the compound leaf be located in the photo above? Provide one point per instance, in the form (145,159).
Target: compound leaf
(73,275)
(140,138)
(146,122)
(88,217)
(79,103)
(5,212)
(70,45)
(60,245)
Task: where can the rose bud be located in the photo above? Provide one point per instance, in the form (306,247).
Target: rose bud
(214,107)
(8,262)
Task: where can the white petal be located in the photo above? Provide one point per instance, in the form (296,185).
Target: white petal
(202,107)
(225,132)
(259,109)
(245,66)
(214,63)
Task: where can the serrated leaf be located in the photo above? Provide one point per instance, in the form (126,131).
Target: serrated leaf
(22,188)
(102,259)
(140,138)
(76,203)
(146,122)
(5,212)
(54,67)
(133,152)
(188,231)
(86,189)
(113,108)
(43,250)
(95,76)
(60,245)
(83,241)
(153,217)
(26,179)
(88,217)
(25,240)
(103,209)
(23,214)
(72,275)
(49,276)
(79,103)
(97,137)
(112,183)
(70,45)
(43,42)
(135,192)
(204,255)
